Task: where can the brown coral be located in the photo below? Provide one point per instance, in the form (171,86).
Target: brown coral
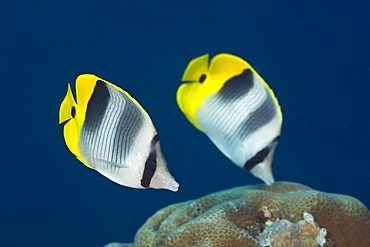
(238,217)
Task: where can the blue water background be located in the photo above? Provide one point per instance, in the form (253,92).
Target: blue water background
(314,54)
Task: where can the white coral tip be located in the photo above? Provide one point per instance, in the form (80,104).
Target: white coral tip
(308,217)
(323,232)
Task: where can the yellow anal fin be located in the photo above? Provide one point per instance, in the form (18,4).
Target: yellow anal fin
(65,110)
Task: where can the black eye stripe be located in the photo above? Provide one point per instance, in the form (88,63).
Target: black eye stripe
(237,86)
(73,111)
(202,78)
(96,107)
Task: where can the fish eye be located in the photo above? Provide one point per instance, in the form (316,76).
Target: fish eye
(202,78)
(73,111)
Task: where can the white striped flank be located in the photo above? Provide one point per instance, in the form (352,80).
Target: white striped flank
(124,132)
(230,123)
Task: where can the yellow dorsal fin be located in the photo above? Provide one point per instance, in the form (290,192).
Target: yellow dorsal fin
(85,85)
(224,66)
(221,68)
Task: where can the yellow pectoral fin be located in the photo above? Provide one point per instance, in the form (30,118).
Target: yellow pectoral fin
(65,110)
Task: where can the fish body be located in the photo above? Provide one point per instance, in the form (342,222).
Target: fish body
(109,131)
(231,103)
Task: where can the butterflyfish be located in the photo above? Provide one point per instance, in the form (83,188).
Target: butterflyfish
(231,103)
(109,131)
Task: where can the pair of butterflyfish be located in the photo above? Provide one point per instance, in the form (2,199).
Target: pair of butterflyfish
(109,131)
(231,103)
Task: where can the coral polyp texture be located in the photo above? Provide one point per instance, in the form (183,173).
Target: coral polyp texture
(284,214)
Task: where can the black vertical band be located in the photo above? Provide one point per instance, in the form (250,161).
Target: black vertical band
(150,164)
(258,158)
(261,155)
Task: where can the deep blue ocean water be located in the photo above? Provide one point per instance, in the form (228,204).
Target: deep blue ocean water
(315,55)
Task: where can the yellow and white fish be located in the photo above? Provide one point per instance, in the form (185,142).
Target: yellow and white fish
(109,131)
(235,108)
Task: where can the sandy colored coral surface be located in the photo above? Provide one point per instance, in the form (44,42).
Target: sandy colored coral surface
(258,215)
